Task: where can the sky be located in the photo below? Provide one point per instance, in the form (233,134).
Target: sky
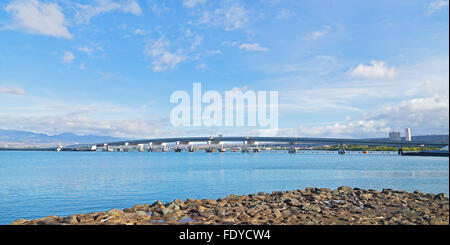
(341,68)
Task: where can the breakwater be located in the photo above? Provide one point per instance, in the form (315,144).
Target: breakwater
(309,206)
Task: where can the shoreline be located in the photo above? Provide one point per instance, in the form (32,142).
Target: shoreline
(309,206)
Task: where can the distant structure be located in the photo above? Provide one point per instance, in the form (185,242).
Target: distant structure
(394,136)
(408,134)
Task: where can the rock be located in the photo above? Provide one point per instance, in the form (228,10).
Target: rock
(20,222)
(310,206)
(208,202)
(200,209)
(292,202)
(157,203)
(344,188)
(171,217)
(228,220)
(440,196)
(165,211)
(71,220)
(173,206)
(179,203)
(114,212)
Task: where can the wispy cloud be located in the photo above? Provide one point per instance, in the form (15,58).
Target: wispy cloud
(376,69)
(231,17)
(15,91)
(193,3)
(253,47)
(85,11)
(35,17)
(68,57)
(436,6)
(318,34)
(162,58)
(140,32)
(202,66)
(284,14)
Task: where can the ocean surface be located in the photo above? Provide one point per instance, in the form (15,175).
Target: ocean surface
(39,184)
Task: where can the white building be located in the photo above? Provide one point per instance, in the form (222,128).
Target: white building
(407,134)
(394,136)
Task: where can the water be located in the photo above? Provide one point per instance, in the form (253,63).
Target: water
(39,184)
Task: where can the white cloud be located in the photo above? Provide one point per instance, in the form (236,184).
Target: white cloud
(85,12)
(436,6)
(15,91)
(35,17)
(68,57)
(162,59)
(284,14)
(195,39)
(231,17)
(253,47)
(428,114)
(193,3)
(202,66)
(318,34)
(55,124)
(377,69)
(139,32)
(85,49)
(213,52)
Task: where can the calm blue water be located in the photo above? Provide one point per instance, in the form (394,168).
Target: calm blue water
(39,184)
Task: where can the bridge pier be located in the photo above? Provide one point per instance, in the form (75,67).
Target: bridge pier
(256,149)
(341,149)
(245,148)
(178,148)
(292,149)
(400,150)
(106,147)
(191,148)
(209,148)
(221,148)
(124,148)
(141,148)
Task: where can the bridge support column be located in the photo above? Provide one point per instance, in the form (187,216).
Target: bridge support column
(209,148)
(178,148)
(292,149)
(150,147)
(400,150)
(221,148)
(125,148)
(341,149)
(245,148)
(256,149)
(191,148)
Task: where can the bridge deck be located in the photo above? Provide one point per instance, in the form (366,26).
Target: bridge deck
(296,140)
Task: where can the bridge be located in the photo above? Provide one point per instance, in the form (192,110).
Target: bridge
(247,141)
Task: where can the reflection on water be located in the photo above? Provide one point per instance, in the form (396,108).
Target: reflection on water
(38,184)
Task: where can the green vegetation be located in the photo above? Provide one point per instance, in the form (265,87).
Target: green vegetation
(375,148)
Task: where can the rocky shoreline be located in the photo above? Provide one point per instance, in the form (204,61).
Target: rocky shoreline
(309,206)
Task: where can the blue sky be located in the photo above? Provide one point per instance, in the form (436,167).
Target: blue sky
(108,67)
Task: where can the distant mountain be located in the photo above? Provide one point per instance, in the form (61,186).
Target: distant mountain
(15,137)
